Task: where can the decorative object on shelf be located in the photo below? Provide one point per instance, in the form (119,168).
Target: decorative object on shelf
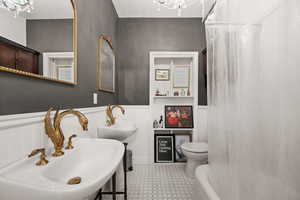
(17,6)
(180,139)
(106,64)
(162,74)
(157,93)
(168,93)
(188,92)
(176,93)
(164,148)
(179,116)
(181,76)
(174,4)
(182,92)
(155,124)
(161,122)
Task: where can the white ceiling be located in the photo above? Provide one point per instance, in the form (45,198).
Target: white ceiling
(51,9)
(147,9)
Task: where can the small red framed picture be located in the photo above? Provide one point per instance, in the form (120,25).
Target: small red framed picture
(179,116)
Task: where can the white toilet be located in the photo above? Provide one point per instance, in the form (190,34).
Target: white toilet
(197,154)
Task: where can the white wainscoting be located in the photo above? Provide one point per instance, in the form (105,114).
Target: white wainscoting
(20,134)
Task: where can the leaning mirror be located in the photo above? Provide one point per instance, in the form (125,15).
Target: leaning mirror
(39,43)
(106,65)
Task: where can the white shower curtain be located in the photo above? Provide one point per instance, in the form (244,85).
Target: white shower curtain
(254,99)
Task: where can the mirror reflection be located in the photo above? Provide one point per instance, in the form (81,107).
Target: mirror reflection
(40,42)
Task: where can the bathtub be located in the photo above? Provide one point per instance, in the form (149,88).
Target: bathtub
(203,189)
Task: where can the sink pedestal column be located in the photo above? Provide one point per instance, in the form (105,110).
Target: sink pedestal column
(114,193)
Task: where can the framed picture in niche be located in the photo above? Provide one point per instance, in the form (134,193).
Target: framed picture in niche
(162,74)
(179,116)
(181,77)
(180,139)
(164,148)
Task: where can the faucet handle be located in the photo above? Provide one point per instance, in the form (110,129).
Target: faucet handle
(70,145)
(43,160)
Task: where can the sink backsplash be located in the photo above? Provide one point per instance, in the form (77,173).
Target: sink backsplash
(20,134)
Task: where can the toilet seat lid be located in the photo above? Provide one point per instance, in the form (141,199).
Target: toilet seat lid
(195,147)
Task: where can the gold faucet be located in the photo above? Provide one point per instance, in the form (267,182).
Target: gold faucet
(54,131)
(111,119)
(43,160)
(70,144)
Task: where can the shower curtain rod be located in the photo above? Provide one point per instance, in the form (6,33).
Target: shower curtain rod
(255,22)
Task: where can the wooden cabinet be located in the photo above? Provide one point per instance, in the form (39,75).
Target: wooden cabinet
(7,56)
(26,61)
(16,56)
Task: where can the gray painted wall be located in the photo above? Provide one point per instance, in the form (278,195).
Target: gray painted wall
(49,35)
(138,36)
(21,94)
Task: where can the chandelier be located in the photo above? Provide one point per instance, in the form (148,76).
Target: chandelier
(17,6)
(174,4)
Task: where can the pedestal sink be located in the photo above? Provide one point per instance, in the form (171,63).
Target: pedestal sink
(119,131)
(94,160)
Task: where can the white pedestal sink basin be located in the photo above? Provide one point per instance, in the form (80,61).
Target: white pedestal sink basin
(120,131)
(94,160)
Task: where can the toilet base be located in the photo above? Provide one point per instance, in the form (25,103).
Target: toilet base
(191,166)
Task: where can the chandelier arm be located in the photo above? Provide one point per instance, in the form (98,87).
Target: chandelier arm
(17,6)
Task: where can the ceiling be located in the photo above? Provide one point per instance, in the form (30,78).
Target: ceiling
(50,9)
(147,9)
(59,9)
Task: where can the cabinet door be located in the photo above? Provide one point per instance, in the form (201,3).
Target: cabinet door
(27,61)
(7,56)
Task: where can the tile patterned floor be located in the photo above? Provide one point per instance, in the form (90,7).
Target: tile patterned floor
(157,182)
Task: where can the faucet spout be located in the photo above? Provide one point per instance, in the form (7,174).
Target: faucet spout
(54,131)
(109,113)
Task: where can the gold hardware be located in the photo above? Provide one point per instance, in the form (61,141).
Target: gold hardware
(70,146)
(74,181)
(54,131)
(101,41)
(112,120)
(43,160)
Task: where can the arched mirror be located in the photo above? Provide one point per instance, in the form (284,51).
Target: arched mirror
(106,64)
(41,43)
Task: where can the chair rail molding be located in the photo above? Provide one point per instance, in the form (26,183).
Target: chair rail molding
(13,121)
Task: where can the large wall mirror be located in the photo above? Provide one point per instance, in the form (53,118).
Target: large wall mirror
(42,43)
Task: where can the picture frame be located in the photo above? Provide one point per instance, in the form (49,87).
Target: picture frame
(65,72)
(164,148)
(181,77)
(162,74)
(106,65)
(179,116)
(180,139)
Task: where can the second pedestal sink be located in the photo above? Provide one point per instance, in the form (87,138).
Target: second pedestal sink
(119,131)
(93,160)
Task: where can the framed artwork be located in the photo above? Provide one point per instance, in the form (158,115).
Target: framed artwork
(179,116)
(164,148)
(181,77)
(162,74)
(106,65)
(65,73)
(180,139)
